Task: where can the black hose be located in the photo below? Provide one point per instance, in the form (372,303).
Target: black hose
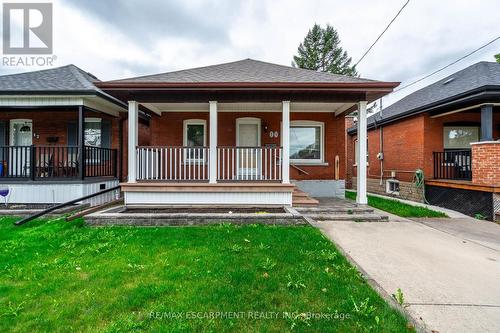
(48,210)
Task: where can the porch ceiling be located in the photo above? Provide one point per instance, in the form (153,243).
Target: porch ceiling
(337,108)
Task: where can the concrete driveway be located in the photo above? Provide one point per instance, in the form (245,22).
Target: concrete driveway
(449,273)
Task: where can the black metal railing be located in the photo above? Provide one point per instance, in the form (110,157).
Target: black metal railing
(453,164)
(100,162)
(61,162)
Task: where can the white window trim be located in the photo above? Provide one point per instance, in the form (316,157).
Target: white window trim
(311,123)
(185,139)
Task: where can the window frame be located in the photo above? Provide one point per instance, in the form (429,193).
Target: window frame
(445,138)
(89,160)
(92,120)
(185,125)
(393,182)
(310,123)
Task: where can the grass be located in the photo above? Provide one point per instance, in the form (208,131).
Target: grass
(396,207)
(57,276)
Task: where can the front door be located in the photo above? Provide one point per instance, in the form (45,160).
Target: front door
(248,143)
(21,136)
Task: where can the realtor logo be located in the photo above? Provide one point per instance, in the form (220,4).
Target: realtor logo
(27,28)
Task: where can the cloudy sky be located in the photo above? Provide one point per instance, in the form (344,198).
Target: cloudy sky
(116,39)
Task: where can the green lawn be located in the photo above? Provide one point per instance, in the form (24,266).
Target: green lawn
(57,276)
(396,207)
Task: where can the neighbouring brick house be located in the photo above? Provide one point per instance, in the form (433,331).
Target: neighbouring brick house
(450,130)
(61,137)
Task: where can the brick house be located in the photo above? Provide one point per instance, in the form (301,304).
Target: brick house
(61,137)
(450,130)
(241,133)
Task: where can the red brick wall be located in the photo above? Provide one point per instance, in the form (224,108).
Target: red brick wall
(486,163)
(403,149)
(168,130)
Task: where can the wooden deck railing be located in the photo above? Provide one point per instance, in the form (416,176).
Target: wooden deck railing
(453,164)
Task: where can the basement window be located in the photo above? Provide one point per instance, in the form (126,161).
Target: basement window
(392,186)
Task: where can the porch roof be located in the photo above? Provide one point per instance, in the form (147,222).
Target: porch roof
(67,81)
(247,81)
(243,72)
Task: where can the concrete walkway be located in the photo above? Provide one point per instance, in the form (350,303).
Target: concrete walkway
(449,273)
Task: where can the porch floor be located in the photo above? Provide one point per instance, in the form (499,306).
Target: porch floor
(463,184)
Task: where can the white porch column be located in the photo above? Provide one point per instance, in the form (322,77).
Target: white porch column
(213,143)
(133,123)
(285,138)
(361,197)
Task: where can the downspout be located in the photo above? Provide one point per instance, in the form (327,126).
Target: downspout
(381,136)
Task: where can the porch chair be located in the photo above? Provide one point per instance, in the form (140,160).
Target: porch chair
(69,165)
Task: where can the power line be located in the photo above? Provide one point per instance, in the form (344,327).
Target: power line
(376,40)
(450,64)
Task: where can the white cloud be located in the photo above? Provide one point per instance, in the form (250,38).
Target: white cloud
(130,39)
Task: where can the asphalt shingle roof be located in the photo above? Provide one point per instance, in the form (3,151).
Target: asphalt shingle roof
(473,77)
(247,70)
(67,78)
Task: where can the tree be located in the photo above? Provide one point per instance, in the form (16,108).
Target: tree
(497,57)
(321,51)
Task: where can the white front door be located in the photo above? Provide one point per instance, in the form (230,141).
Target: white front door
(21,135)
(248,143)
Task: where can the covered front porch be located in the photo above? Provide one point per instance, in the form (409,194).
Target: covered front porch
(237,153)
(242,133)
(468,134)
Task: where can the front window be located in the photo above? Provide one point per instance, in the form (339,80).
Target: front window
(194,137)
(460,137)
(306,142)
(93,132)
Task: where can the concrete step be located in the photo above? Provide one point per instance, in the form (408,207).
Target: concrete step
(334,210)
(300,194)
(304,201)
(348,217)
(301,198)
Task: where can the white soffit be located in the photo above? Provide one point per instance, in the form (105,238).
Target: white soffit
(337,108)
